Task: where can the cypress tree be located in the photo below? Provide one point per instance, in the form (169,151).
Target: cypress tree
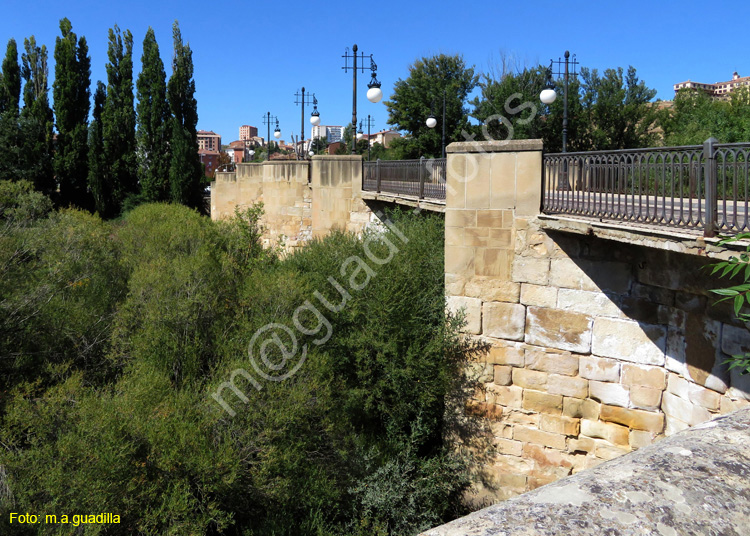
(98,186)
(36,119)
(185,169)
(71,95)
(153,123)
(118,124)
(10,94)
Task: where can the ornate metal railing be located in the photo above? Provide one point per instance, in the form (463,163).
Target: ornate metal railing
(423,178)
(697,187)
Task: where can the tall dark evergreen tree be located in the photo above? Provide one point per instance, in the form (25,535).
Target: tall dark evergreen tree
(10,95)
(36,119)
(118,124)
(153,123)
(99,188)
(185,169)
(71,96)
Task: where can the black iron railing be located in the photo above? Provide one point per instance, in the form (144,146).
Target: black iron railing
(699,187)
(423,178)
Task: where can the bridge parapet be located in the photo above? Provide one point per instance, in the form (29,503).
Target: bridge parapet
(599,347)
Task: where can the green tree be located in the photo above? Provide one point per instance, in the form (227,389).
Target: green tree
(319,145)
(153,123)
(695,117)
(617,106)
(10,95)
(118,124)
(71,96)
(422,92)
(185,169)
(35,158)
(101,190)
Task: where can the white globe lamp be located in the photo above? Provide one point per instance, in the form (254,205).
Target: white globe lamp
(431,122)
(315,120)
(548,96)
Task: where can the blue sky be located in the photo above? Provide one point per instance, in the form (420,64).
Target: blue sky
(251,57)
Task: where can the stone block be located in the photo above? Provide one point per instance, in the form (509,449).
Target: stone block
(502,375)
(471,308)
(729,404)
(474,236)
(493,262)
(556,362)
(506,355)
(538,295)
(528,183)
(674,425)
(684,410)
(460,218)
(613,394)
(609,452)
(678,386)
(644,376)
(560,424)
(477,181)
(554,328)
(530,270)
(542,402)
(571,386)
(581,444)
(590,303)
(546,459)
(459,260)
(490,218)
(522,417)
(508,446)
(491,289)
(640,438)
(599,369)
(501,238)
(629,341)
(504,320)
(633,418)
(539,437)
(645,397)
(483,410)
(614,433)
(510,397)
(502,181)
(530,379)
(706,398)
(577,408)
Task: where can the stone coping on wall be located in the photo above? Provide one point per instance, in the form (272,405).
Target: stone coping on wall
(498,146)
(664,238)
(409,201)
(694,482)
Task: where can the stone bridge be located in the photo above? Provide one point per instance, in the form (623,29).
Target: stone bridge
(604,338)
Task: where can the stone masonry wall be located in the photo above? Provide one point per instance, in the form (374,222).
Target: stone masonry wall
(301,199)
(283,188)
(597,348)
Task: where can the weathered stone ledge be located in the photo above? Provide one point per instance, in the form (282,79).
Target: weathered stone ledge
(498,146)
(432,205)
(694,482)
(664,238)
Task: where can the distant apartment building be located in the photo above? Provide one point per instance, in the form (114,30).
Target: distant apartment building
(238,151)
(719,90)
(247,133)
(210,159)
(331,133)
(209,140)
(384,137)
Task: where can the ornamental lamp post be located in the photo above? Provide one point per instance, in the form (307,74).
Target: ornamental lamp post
(374,93)
(314,116)
(267,120)
(548,96)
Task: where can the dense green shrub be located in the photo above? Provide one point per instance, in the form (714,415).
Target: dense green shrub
(116,334)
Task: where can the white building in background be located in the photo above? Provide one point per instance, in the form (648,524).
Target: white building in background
(331,133)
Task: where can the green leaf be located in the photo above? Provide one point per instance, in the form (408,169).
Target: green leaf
(724,292)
